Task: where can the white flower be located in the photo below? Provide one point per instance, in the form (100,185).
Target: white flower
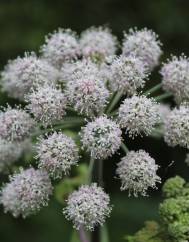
(137,171)
(46,103)
(143,43)
(138,115)
(61,46)
(128,74)
(9,153)
(15,124)
(98,43)
(86,91)
(175,75)
(101,137)
(177,127)
(21,74)
(56,154)
(88,207)
(26,193)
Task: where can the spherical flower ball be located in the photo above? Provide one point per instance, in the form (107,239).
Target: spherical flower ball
(87,92)
(9,153)
(26,193)
(128,74)
(176,131)
(88,207)
(143,43)
(47,104)
(137,171)
(61,46)
(175,75)
(21,74)
(138,115)
(71,71)
(15,124)
(98,43)
(57,153)
(101,137)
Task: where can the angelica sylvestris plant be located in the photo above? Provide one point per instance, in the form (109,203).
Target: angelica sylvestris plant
(80,103)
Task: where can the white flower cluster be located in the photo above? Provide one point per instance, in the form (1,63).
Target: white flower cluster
(138,115)
(86,91)
(128,74)
(177,127)
(21,74)
(98,43)
(101,137)
(61,46)
(9,153)
(137,171)
(15,124)
(26,192)
(46,103)
(57,153)
(144,44)
(88,207)
(175,75)
(84,78)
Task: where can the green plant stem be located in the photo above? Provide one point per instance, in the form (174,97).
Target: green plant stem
(100,172)
(153,89)
(82,235)
(90,171)
(64,125)
(163,96)
(124,148)
(115,100)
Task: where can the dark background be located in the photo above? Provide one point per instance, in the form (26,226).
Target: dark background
(23,25)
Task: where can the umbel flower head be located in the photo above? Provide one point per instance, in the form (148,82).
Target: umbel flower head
(57,153)
(98,43)
(9,153)
(61,46)
(71,71)
(21,74)
(101,137)
(87,92)
(26,192)
(143,43)
(138,115)
(177,127)
(88,207)
(128,74)
(137,171)
(15,124)
(175,75)
(47,104)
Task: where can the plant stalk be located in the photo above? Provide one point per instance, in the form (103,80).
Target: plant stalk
(153,89)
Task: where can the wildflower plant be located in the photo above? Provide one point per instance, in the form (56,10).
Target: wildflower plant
(80,103)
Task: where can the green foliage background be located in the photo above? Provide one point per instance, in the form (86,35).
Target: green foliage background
(23,24)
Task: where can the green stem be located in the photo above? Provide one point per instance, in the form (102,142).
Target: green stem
(153,89)
(100,172)
(115,100)
(90,171)
(163,96)
(124,148)
(62,125)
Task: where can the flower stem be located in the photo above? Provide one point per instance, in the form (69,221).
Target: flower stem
(124,148)
(82,235)
(163,96)
(115,100)
(90,171)
(153,89)
(100,172)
